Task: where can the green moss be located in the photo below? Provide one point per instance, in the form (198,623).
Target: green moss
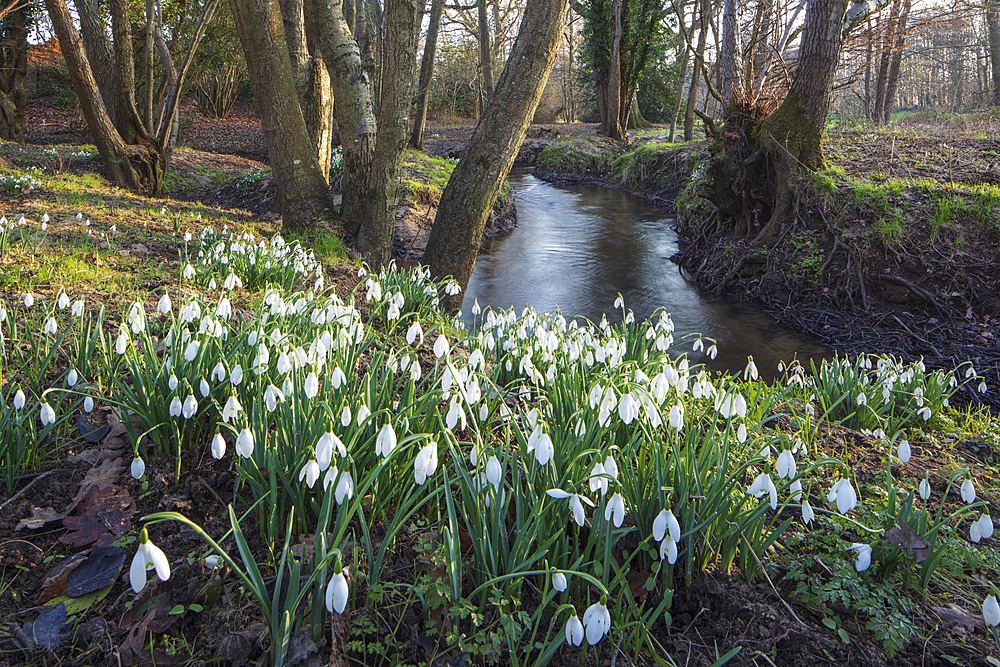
(652,167)
(581,156)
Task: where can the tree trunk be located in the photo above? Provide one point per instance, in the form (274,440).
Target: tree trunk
(733,73)
(635,119)
(696,71)
(897,60)
(993,27)
(683,53)
(379,195)
(485,53)
(98,51)
(296,172)
(610,90)
(133,167)
(426,73)
(885,57)
(13,77)
(461,217)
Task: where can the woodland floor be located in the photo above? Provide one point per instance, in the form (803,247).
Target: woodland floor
(715,613)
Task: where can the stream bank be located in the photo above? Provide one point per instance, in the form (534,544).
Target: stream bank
(901,259)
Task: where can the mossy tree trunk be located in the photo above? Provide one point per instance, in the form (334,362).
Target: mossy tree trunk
(13,74)
(426,73)
(758,162)
(466,202)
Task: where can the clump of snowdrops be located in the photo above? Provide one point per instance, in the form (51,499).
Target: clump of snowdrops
(571,454)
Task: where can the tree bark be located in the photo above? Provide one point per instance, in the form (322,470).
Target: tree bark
(294,167)
(899,44)
(609,91)
(993,28)
(485,53)
(426,73)
(696,71)
(13,77)
(380,185)
(461,217)
(98,50)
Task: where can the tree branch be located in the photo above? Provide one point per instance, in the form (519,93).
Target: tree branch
(859,11)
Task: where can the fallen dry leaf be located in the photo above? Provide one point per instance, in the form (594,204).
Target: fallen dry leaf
(57,578)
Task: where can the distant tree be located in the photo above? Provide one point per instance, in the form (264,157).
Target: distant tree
(15,19)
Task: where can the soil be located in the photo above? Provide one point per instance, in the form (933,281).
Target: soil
(716,612)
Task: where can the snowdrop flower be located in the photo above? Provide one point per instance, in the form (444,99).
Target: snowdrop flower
(544,450)
(985,526)
(218,446)
(862,399)
(19,400)
(574,630)
(864,559)
(311,385)
(668,550)
(72,378)
(982,390)
(785,466)
(441,346)
(147,556)
(231,409)
(244,443)
(843,494)
(666,521)
(615,510)
(751,370)
(628,408)
(47,414)
(164,304)
(925,488)
(598,479)
(62,301)
(310,473)
(88,404)
(191,351)
(974,533)
(575,503)
(386,441)
(175,407)
(925,412)
(494,472)
(121,344)
(77,309)
(761,485)
(676,418)
(795,490)
(337,591)
(968,491)
(597,621)
(426,463)
(903,451)
(50,326)
(560,584)
(991,610)
(188,272)
(807,512)
(236,377)
(190,407)
(206,390)
(138,468)
(712,352)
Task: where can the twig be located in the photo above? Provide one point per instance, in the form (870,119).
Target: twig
(25,489)
(768,577)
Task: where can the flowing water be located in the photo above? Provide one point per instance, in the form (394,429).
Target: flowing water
(577,247)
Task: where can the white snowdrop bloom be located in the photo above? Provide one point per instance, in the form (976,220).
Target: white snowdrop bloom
(363,414)
(741,433)
(455,416)
(415,370)
(807,512)
(598,479)
(925,412)
(785,465)
(147,556)
(560,584)
(137,317)
(986,526)
(615,510)
(232,282)
(991,610)
(212,284)
(231,409)
(968,491)
(761,485)
(218,446)
(77,309)
(163,306)
(88,404)
(712,352)
(596,622)
(452,288)
(441,346)
(190,407)
(426,463)
(310,473)
(676,418)
(312,386)
(750,373)
(191,351)
(925,488)
(864,558)
(575,504)
(795,490)
(63,301)
(544,449)
(138,468)
(843,495)
(494,472)
(19,400)
(204,388)
(46,414)
(245,443)
(337,378)
(172,382)
(628,408)
(72,378)
(668,550)
(345,416)
(236,376)
(982,387)
(385,443)
(974,534)
(903,451)
(284,364)
(175,407)
(50,326)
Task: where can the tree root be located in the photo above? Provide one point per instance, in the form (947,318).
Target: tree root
(924,295)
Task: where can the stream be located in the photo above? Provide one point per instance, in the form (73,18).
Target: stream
(577,247)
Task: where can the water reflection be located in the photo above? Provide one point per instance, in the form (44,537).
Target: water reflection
(576,248)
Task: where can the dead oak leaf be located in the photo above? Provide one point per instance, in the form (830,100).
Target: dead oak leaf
(903,536)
